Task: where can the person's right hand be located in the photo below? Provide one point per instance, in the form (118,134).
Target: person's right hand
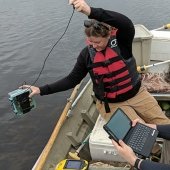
(125,151)
(34,90)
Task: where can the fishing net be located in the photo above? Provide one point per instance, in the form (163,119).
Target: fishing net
(156,82)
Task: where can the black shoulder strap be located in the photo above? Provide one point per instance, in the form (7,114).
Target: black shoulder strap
(113,44)
(92,53)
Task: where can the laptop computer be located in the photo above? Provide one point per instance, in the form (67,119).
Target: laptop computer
(140,138)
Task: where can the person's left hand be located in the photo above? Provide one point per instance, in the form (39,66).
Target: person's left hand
(125,152)
(135,121)
(81,6)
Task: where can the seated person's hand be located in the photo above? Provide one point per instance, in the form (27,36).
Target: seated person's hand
(125,152)
(141,121)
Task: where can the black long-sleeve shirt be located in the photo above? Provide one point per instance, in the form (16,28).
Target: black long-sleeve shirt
(164,132)
(125,35)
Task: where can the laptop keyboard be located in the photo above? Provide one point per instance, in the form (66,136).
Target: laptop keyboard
(140,135)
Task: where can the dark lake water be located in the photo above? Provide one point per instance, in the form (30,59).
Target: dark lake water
(28,30)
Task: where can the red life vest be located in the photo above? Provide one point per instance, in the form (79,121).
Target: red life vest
(112,75)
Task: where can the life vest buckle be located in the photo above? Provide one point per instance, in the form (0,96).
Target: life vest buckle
(106,62)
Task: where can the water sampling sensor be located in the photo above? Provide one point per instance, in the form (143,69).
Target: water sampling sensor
(20,101)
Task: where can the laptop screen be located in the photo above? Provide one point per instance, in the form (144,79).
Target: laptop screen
(119,124)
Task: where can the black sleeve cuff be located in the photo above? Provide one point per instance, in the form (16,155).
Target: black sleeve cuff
(44,90)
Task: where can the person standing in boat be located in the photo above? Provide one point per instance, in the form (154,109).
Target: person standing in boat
(109,60)
(127,153)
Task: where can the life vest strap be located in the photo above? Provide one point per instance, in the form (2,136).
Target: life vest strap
(106,105)
(105,63)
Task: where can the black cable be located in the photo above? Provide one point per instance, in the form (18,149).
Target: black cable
(52,49)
